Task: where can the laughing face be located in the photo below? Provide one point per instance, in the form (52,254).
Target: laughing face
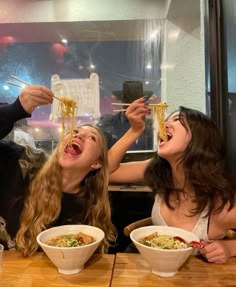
(84,151)
(179,136)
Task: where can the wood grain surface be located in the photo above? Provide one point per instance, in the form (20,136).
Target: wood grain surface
(38,271)
(131,270)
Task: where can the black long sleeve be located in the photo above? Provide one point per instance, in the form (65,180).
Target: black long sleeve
(9,114)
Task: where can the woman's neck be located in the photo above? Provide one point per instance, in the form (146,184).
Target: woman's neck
(178,176)
(71,180)
(180,181)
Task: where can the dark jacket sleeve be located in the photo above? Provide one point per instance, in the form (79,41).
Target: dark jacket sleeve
(9,114)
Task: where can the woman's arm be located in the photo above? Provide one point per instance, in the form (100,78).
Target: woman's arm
(128,172)
(9,114)
(29,98)
(135,113)
(219,251)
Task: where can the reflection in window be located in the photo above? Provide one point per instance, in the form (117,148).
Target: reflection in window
(135,58)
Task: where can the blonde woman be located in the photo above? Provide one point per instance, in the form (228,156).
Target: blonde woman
(68,188)
(71,187)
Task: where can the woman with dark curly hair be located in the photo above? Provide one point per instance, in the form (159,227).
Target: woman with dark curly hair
(187,176)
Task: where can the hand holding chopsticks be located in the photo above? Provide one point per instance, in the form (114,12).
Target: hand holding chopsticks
(32,96)
(25,84)
(37,95)
(128,104)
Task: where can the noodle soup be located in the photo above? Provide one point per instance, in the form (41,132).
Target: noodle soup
(162,241)
(70,240)
(70,259)
(158,247)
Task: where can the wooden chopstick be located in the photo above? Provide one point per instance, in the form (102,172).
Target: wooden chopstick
(122,110)
(151,105)
(14,84)
(20,80)
(148,105)
(120,104)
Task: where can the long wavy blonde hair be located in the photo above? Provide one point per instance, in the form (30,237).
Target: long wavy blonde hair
(43,202)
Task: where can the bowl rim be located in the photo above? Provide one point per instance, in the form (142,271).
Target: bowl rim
(42,244)
(161,249)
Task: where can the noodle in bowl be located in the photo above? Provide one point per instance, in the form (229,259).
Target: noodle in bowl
(163,262)
(70,260)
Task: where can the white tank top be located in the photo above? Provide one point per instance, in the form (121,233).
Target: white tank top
(200,228)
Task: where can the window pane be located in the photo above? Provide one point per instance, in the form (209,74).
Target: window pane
(156,43)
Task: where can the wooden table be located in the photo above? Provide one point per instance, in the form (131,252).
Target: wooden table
(38,271)
(131,270)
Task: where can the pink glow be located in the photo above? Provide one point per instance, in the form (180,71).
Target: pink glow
(59,50)
(7,40)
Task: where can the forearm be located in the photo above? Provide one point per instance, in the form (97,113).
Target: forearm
(136,114)
(118,150)
(9,114)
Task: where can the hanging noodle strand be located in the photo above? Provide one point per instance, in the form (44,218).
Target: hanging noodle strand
(159,112)
(68,110)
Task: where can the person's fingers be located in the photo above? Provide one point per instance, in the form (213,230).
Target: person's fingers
(38,87)
(214,252)
(33,96)
(137,110)
(140,100)
(204,243)
(40,93)
(42,89)
(40,96)
(215,257)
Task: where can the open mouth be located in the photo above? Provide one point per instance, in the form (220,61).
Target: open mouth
(169,136)
(73,149)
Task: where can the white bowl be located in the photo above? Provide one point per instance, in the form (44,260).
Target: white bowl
(163,262)
(70,260)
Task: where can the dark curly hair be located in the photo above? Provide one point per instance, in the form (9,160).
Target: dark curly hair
(203,164)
